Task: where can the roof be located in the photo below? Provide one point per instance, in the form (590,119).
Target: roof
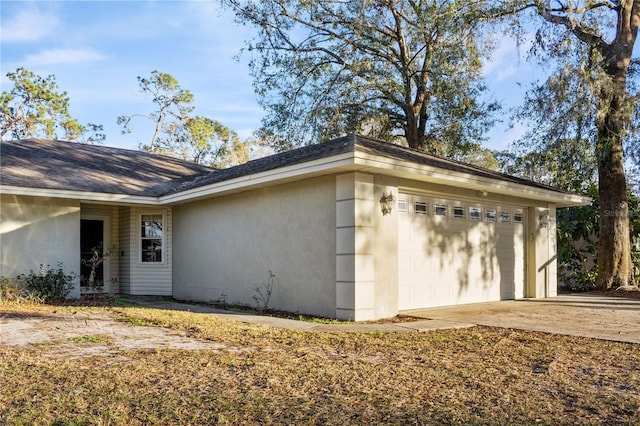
(60,165)
(347,144)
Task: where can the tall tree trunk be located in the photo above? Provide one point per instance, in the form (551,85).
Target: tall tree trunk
(411,132)
(614,246)
(615,111)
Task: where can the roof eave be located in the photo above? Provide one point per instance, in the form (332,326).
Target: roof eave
(106,198)
(431,174)
(294,172)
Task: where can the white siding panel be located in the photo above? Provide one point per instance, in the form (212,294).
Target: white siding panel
(152,279)
(125,249)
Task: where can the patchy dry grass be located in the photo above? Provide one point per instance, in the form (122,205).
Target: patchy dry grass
(92,338)
(270,376)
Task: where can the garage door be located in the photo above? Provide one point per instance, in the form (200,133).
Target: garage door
(452,252)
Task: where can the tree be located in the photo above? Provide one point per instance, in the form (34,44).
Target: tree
(567,164)
(35,108)
(179,134)
(173,109)
(209,142)
(393,69)
(595,40)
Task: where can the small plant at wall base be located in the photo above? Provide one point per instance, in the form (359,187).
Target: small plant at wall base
(97,258)
(221,302)
(10,290)
(263,293)
(48,284)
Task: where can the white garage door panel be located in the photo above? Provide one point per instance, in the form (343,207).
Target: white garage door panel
(446,261)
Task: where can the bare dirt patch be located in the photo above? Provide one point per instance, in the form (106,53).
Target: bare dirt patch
(77,333)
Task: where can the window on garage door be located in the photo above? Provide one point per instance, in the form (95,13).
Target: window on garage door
(459,212)
(421,207)
(475,213)
(441,210)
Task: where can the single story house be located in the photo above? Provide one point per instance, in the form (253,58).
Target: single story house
(353,228)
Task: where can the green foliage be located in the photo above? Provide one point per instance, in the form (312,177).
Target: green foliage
(100,339)
(567,164)
(403,71)
(35,108)
(173,108)
(10,290)
(179,134)
(578,231)
(209,142)
(48,284)
(592,94)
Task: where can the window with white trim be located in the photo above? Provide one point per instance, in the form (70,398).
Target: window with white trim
(151,237)
(403,206)
(490,215)
(458,212)
(517,218)
(505,217)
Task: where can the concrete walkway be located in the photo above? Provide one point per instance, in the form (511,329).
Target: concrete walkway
(584,315)
(290,324)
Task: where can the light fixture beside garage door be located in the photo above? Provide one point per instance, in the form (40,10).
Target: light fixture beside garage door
(386,203)
(544,220)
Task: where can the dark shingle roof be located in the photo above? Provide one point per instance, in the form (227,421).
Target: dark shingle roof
(272,162)
(38,163)
(385,149)
(346,144)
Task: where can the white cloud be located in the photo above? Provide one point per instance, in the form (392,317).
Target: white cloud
(507,72)
(62,56)
(507,59)
(28,24)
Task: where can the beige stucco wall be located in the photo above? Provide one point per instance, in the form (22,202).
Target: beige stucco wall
(36,231)
(355,271)
(227,245)
(386,262)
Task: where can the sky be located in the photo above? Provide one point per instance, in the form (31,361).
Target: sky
(97,49)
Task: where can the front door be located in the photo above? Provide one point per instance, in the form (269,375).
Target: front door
(91,252)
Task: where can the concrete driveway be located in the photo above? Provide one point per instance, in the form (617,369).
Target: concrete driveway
(585,315)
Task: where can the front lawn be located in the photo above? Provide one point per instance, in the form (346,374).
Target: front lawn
(271,376)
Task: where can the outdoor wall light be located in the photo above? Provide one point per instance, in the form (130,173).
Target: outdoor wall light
(544,220)
(386,203)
